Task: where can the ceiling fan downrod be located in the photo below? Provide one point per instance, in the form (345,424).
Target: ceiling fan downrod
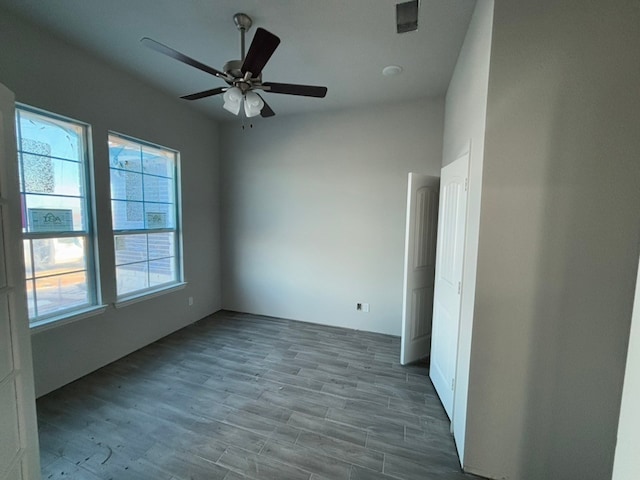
(243,23)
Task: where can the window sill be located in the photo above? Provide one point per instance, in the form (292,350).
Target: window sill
(126,301)
(54,322)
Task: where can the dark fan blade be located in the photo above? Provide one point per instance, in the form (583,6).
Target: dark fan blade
(262,47)
(206,93)
(291,89)
(266,110)
(170,52)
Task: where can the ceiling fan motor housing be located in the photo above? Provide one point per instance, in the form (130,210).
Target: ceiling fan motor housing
(234,68)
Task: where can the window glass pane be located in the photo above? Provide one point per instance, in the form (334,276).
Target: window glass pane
(158,162)
(127,215)
(28,264)
(126,185)
(158,189)
(132,278)
(130,248)
(161,245)
(162,271)
(124,155)
(49,137)
(46,213)
(53,256)
(50,175)
(31,302)
(159,215)
(61,292)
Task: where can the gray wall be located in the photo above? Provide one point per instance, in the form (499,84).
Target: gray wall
(314,211)
(45,72)
(464,130)
(558,249)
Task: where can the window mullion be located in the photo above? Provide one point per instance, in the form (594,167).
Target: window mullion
(23,203)
(62,159)
(141,232)
(144,216)
(57,195)
(52,235)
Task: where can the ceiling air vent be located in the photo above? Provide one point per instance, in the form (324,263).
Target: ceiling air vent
(407,16)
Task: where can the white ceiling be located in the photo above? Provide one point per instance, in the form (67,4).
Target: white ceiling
(341,44)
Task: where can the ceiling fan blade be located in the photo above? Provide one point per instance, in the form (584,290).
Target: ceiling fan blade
(292,89)
(263,45)
(181,57)
(266,109)
(206,93)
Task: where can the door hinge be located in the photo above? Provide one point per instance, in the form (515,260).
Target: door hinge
(466,184)
(453,383)
(459,288)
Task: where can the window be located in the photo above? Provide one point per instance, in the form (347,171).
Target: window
(57,222)
(145,215)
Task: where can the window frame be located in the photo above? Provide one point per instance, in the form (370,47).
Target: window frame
(88,233)
(178,282)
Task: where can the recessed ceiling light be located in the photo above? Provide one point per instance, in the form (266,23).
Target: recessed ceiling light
(391,70)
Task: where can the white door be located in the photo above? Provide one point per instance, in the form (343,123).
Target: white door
(419,266)
(627,463)
(19,458)
(448,280)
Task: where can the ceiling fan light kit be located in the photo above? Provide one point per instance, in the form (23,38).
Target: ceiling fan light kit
(243,77)
(232,99)
(252,104)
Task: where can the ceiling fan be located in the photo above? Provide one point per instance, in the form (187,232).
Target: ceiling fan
(243,77)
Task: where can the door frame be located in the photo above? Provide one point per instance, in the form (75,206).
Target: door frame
(625,463)
(26,460)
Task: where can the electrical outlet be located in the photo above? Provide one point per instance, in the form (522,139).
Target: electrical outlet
(190,301)
(358,306)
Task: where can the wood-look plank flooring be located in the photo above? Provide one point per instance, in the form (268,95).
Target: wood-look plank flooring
(239,396)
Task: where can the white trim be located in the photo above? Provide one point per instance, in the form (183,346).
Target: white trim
(9,378)
(15,462)
(6,290)
(126,301)
(49,323)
